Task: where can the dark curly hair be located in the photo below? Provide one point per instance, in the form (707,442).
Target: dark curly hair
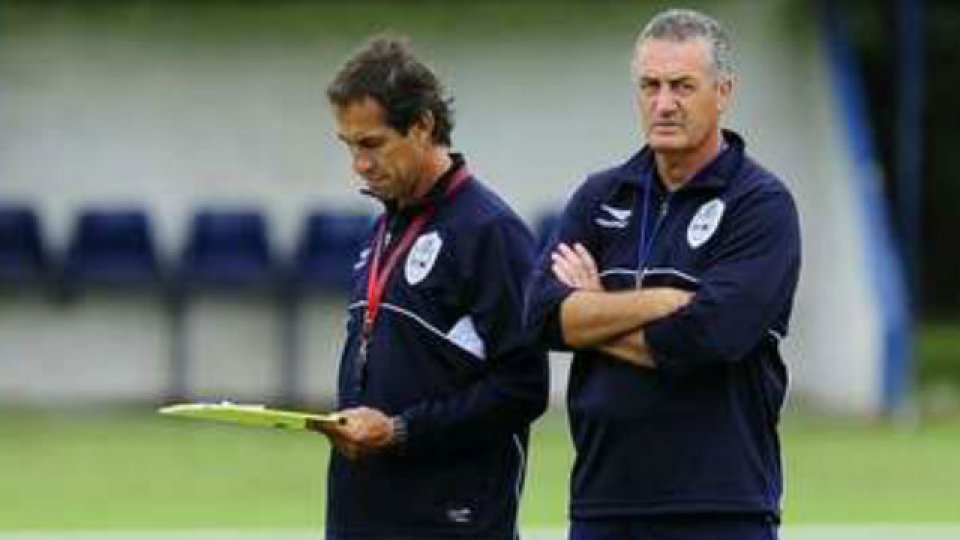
(386,70)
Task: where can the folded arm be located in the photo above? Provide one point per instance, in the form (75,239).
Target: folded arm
(609,321)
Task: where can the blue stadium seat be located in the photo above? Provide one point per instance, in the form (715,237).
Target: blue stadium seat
(328,248)
(23,257)
(112,247)
(228,250)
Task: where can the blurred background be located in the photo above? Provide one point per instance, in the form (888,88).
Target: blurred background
(178,222)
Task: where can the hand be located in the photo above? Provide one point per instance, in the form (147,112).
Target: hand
(667,300)
(630,348)
(575,267)
(365,431)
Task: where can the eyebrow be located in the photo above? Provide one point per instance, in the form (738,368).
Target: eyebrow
(670,80)
(361,139)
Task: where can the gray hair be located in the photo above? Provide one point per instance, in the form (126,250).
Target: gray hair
(680,25)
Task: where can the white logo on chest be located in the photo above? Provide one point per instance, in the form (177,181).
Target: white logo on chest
(617,218)
(704,223)
(422,257)
(460,515)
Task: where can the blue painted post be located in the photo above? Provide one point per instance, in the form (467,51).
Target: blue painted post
(909,156)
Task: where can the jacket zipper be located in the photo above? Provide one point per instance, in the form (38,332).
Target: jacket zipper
(648,250)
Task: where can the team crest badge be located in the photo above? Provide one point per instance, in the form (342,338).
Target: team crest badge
(705,223)
(422,257)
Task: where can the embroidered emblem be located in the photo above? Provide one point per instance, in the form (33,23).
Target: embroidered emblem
(704,223)
(460,515)
(422,257)
(616,218)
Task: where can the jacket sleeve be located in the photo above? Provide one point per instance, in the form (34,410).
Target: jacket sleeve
(748,283)
(544,292)
(512,390)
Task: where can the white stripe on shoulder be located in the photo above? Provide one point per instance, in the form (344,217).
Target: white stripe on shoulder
(476,350)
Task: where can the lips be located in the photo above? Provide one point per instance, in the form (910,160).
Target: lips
(374,182)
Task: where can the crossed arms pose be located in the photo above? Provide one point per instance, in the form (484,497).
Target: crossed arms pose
(671,278)
(611,322)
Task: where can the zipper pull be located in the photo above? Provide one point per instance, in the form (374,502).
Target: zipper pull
(664,206)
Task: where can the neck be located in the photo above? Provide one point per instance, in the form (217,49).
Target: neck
(437,162)
(677,168)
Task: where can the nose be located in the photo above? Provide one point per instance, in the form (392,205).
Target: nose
(362,164)
(664,102)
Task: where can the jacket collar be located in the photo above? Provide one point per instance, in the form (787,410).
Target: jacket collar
(641,167)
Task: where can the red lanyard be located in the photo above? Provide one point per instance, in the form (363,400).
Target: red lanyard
(379,276)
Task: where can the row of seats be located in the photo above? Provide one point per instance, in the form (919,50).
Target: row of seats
(224,249)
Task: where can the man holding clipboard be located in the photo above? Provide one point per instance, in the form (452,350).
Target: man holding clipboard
(438,383)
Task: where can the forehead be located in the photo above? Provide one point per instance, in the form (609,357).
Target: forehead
(665,58)
(361,117)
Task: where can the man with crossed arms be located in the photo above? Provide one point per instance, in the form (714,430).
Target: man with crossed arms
(672,277)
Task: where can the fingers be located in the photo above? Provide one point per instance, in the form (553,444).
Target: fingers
(350,450)
(575,267)
(365,431)
(589,265)
(562,270)
(325,428)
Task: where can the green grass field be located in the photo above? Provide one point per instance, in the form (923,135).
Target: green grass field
(938,344)
(133,470)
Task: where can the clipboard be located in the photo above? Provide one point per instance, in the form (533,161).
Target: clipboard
(254,415)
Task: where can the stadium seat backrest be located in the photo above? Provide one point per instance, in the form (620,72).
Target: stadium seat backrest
(328,247)
(22,252)
(112,246)
(229,248)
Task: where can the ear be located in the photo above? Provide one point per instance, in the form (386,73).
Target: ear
(422,128)
(724,94)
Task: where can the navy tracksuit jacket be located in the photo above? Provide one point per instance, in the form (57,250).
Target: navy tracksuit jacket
(449,354)
(698,434)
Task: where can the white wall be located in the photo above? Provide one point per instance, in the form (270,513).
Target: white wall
(172,109)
